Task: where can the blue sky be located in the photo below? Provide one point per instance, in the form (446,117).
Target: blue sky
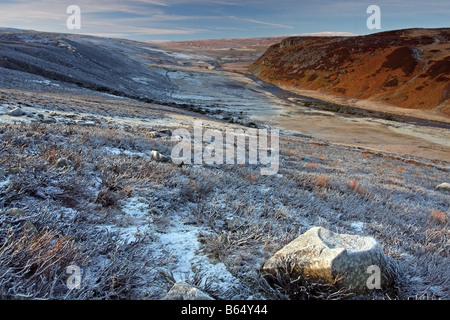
(211,19)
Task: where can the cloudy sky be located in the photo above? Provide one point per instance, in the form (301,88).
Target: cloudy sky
(209,19)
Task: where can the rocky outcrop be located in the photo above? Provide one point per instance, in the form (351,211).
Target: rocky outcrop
(184,291)
(324,256)
(404,68)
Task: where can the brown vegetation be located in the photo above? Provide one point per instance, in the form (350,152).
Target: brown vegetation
(405,68)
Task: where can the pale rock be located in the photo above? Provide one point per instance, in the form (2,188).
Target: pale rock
(158,157)
(184,291)
(324,256)
(17,112)
(443,186)
(153,135)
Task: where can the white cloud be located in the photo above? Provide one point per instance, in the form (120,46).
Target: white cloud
(182,17)
(262,22)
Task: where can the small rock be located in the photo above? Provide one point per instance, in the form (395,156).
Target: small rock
(184,291)
(443,186)
(49,120)
(27,225)
(17,112)
(158,157)
(15,170)
(16,213)
(153,135)
(2,173)
(166,159)
(61,163)
(166,132)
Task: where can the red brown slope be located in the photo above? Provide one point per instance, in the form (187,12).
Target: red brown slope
(404,68)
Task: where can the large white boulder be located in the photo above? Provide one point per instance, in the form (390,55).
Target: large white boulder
(323,256)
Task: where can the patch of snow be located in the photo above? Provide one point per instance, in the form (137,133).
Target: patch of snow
(68,212)
(357,225)
(129,234)
(265,190)
(46,82)
(136,207)
(182,242)
(192,97)
(117,151)
(416,54)
(180,56)
(144,80)
(5,183)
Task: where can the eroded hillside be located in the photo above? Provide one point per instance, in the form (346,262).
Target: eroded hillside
(404,68)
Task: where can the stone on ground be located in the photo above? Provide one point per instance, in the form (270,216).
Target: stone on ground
(324,256)
(184,291)
(443,186)
(17,112)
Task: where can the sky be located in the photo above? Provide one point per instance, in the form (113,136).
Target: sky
(149,20)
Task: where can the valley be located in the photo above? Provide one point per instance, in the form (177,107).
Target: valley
(82,118)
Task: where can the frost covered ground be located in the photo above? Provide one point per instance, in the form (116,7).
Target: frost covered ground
(77,163)
(134,226)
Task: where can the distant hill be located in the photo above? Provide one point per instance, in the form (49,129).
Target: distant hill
(405,68)
(94,63)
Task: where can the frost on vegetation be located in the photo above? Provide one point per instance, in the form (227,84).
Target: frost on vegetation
(216,223)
